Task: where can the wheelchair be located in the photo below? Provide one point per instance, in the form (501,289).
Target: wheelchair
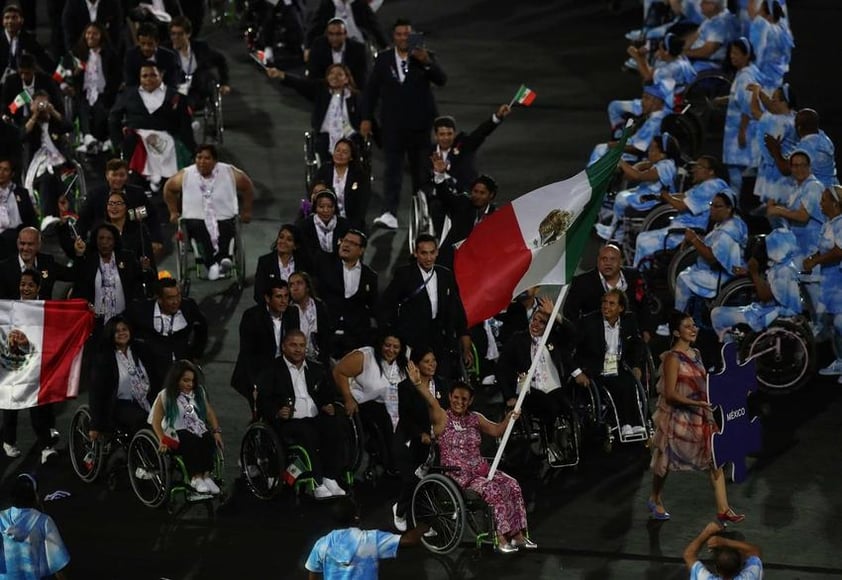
(161,478)
(314,150)
(186,245)
(422,221)
(560,448)
(211,125)
(88,457)
(700,96)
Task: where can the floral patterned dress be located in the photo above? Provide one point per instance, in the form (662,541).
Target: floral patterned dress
(459,445)
(683,433)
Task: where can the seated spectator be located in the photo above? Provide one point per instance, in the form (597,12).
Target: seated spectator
(321,232)
(706,47)
(149,50)
(777,288)
(95,82)
(16,42)
(733,558)
(28,256)
(25,83)
(347,179)
(124,383)
(336,104)
(204,195)
(173,327)
(314,320)
(16,210)
(693,207)
(740,148)
(775,116)
(653,176)
(814,142)
(200,66)
(360,22)
(720,252)
(465,211)
(772,41)
(78,14)
(296,397)
(184,421)
(349,289)
(334,47)
(151,123)
(648,125)
(287,256)
(262,331)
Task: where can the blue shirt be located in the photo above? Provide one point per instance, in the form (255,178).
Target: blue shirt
(752,570)
(673,77)
(698,199)
(722,29)
(32,546)
(807,194)
(739,104)
(822,156)
(651,127)
(773,45)
(351,553)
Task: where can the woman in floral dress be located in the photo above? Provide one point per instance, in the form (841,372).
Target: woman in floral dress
(684,421)
(459,432)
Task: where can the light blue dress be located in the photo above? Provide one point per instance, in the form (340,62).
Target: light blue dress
(822,156)
(640,140)
(752,570)
(633,198)
(807,194)
(32,545)
(739,104)
(773,46)
(727,242)
(831,274)
(722,28)
(672,77)
(771,184)
(351,553)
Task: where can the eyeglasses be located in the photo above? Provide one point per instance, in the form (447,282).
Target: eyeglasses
(116,203)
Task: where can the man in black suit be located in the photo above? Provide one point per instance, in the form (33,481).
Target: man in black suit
(296,397)
(199,64)
(29,256)
(609,350)
(16,210)
(262,331)
(173,327)
(422,304)
(76,15)
(586,289)
(349,289)
(400,84)
(336,48)
(31,80)
(15,42)
(358,17)
(148,50)
(465,211)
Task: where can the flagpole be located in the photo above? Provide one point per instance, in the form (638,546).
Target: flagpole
(528,379)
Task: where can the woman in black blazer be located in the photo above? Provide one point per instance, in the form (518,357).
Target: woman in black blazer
(347,179)
(313,320)
(286,256)
(322,230)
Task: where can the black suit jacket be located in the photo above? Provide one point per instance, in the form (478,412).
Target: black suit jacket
(325,332)
(275,390)
(407,106)
(516,357)
(75,17)
(315,89)
(463,217)
(102,396)
(357,192)
(187,343)
(590,344)
(26,210)
(131,277)
(42,82)
(258,345)
(462,157)
(93,210)
(413,412)
(50,272)
(364,17)
(166,60)
(354,56)
(11,144)
(207,60)
(111,72)
(351,315)
(27,43)
(586,291)
(267,270)
(310,239)
(405,305)
(129,111)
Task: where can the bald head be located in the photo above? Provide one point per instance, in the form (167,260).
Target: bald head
(609,261)
(807,122)
(29,244)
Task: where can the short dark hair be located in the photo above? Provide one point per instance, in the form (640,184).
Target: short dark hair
(26,60)
(275,284)
(116,165)
(363,238)
(621,297)
(728,561)
(165,282)
(294,332)
(24,490)
(463,385)
(421,238)
(401,22)
(182,22)
(336,20)
(13,7)
(444,121)
(148,30)
(149,64)
(210,148)
(34,274)
(488,181)
(344,512)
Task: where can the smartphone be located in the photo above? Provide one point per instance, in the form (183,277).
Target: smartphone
(416,40)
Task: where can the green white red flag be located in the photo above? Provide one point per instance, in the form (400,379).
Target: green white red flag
(22,99)
(524,96)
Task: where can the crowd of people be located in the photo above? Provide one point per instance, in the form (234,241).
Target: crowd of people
(322,340)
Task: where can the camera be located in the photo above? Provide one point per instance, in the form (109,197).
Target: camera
(138,214)
(42,106)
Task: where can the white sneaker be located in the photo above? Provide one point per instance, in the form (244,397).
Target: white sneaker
(333,486)
(322,492)
(387,220)
(635,35)
(604,231)
(630,64)
(833,369)
(47,454)
(400,523)
(199,484)
(213,272)
(839,380)
(663,330)
(489,380)
(11,450)
(626,431)
(639,430)
(211,485)
(141,473)
(225,265)
(55,435)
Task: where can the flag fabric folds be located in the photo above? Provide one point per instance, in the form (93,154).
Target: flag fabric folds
(536,239)
(22,99)
(524,96)
(41,350)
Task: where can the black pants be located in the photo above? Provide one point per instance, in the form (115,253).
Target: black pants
(547,407)
(42,419)
(322,437)
(129,416)
(408,459)
(413,145)
(623,389)
(374,416)
(93,119)
(197,452)
(227,231)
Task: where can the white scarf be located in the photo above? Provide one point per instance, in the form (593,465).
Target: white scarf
(344,11)
(94,82)
(325,232)
(337,123)
(310,326)
(108,276)
(137,378)
(206,187)
(9,213)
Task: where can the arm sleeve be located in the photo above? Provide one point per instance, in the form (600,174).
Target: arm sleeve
(387,544)
(315,561)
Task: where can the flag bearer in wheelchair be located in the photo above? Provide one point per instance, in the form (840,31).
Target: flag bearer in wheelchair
(207,192)
(720,252)
(546,398)
(828,256)
(609,352)
(184,421)
(777,288)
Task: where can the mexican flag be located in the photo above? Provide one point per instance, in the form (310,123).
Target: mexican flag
(537,239)
(22,99)
(41,350)
(61,73)
(524,96)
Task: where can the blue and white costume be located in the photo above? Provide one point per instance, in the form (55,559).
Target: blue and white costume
(640,140)
(807,194)
(782,276)
(672,77)
(771,184)
(722,28)
(739,103)
(773,46)
(822,156)
(726,241)
(351,553)
(32,545)
(633,198)
(697,199)
(831,274)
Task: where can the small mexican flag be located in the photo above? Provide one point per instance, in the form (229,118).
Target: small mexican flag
(61,73)
(524,96)
(294,471)
(22,99)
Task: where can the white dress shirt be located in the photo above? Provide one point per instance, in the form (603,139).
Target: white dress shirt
(305,406)
(432,287)
(351,278)
(153,100)
(167,324)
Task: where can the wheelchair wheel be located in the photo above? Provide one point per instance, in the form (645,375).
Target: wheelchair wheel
(239,257)
(567,437)
(85,455)
(414,223)
(149,470)
(311,160)
(682,260)
(783,355)
(182,266)
(438,502)
(353,431)
(263,460)
(688,130)
(660,217)
(738,292)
